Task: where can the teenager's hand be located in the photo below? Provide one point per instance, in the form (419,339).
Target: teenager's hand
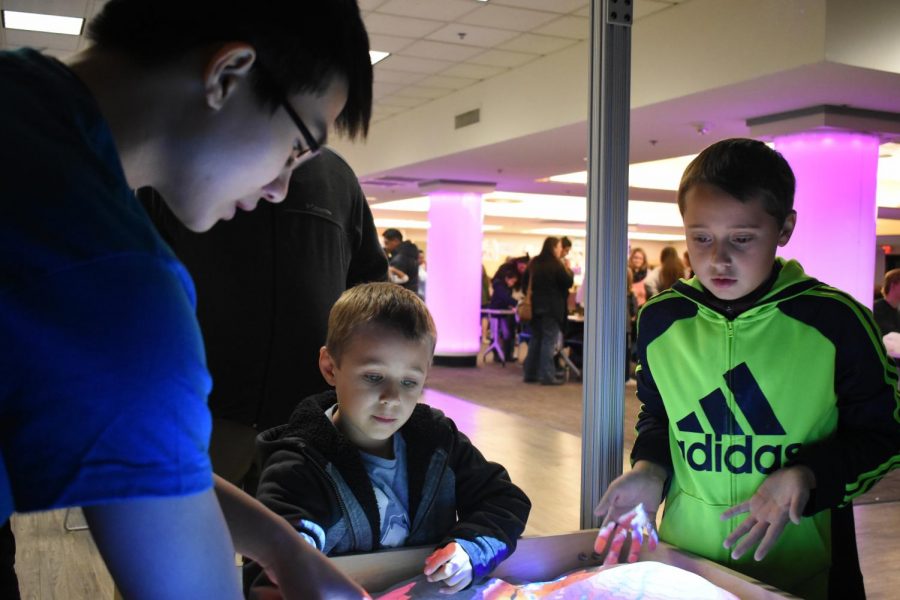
(451,565)
(781,497)
(629,509)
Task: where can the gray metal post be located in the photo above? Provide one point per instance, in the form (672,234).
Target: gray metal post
(607,228)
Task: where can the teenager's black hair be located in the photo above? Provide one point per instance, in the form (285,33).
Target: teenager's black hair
(303,44)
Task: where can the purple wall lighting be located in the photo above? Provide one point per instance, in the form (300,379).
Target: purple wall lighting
(454,271)
(835,203)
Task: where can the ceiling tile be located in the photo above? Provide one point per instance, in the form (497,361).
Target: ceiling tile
(504,17)
(421,91)
(402,77)
(382,111)
(64,8)
(576,28)
(16,38)
(450,83)
(557,6)
(441,50)
(544,44)
(369,4)
(471,35)
(503,58)
(642,8)
(404,101)
(584,12)
(400,26)
(437,10)
(398,62)
(380,89)
(389,43)
(473,71)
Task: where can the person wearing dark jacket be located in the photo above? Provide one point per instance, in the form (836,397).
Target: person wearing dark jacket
(404,259)
(265,282)
(365,467)
(886,308)
(503,283)
(549,280)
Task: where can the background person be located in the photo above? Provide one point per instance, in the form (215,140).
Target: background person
(403,259)
(266,281)
(886,309)
(550,282)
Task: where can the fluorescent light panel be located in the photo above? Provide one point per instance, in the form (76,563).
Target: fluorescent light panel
(414,224)
(40,22)
(377,56)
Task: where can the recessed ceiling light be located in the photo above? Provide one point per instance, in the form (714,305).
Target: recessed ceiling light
(377,56)
(39,22)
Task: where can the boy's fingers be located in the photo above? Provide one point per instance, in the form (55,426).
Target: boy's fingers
(654,540)
(735,535)
(796,512)
(438,558)
(750,540)
(603,537)
(735,510)
(772,534)
(457,578)
(612,557)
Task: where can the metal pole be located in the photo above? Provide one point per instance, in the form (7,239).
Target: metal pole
(607,220)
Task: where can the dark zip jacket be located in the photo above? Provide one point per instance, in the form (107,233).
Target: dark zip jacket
(314,477)
(798,377)
(266,281)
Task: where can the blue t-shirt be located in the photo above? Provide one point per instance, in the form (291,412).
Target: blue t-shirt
(389,482)
(103,381)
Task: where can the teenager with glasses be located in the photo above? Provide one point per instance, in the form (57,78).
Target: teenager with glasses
(102,378)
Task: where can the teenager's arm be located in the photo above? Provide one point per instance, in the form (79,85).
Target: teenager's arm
(173,547)
(297,567)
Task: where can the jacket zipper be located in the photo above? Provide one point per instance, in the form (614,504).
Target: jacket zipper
(729,363)
(431,499)
(340,500)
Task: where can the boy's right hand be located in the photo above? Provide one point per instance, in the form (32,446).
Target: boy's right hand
(629,507)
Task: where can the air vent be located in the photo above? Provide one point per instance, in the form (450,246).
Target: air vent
(390,181)
(467,118)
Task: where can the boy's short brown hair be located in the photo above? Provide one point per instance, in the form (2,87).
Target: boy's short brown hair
(381,304)
(745,169)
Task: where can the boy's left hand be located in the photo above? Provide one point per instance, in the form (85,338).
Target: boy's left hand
(451,565)
(782,496)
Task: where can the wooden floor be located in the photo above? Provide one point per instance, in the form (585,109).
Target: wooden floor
(532,430)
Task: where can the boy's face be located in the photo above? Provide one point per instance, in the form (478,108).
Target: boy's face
(237,151)
(731,243)
(378,383)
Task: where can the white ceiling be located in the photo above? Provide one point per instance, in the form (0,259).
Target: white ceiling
(440,46)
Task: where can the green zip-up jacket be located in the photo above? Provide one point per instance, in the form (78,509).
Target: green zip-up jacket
(800,377)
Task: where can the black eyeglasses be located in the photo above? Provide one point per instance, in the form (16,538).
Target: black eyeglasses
(312,144)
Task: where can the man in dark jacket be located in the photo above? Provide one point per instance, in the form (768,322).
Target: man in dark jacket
(265,283)
(404,258)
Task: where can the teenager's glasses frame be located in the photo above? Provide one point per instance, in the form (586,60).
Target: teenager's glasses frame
(312,144)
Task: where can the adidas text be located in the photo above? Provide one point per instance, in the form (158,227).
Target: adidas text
(711,455)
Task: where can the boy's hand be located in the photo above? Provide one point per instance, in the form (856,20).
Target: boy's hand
(451,565)
(629,507)
(781,496)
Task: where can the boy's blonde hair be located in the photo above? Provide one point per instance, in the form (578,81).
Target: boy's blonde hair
(382,304)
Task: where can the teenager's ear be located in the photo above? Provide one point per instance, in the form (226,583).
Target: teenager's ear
(788,228)
(229,66)
(327,365)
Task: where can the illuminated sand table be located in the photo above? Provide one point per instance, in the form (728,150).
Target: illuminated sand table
(547,558)
(643,580)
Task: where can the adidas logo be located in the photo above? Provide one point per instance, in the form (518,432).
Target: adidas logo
(742,457)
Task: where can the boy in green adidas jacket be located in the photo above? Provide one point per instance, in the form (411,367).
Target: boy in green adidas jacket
(769,402)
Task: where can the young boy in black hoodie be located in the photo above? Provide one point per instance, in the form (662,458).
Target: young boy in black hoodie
(366,467)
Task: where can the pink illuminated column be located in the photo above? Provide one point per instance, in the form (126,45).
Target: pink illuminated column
(454,268)
(835,202)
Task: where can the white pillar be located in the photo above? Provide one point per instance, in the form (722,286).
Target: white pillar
(454,268)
